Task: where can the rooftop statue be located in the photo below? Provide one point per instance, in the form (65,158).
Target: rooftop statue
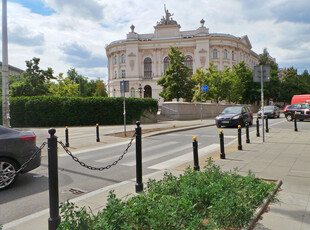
(167,20)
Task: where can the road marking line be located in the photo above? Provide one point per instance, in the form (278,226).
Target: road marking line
(149,158)
(106,159)
(172,163)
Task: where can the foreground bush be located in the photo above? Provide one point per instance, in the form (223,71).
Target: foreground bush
(211,199)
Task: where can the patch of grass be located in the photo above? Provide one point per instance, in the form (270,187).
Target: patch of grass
(210,199)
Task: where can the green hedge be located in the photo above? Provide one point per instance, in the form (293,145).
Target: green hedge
(76,111)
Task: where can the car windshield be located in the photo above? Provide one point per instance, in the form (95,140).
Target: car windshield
(269,108)
(305,106)
(232,110)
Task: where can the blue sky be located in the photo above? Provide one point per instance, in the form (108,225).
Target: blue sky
(74,34)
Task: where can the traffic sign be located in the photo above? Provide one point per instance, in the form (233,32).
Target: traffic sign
(205,88)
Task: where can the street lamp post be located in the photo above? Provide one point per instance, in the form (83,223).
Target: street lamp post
(140,90)
(5,68)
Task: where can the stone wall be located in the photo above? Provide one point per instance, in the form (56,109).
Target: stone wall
(195,110)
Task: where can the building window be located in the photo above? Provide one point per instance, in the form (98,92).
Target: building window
(123,73)
(215,53)
(189,63)
(233,55)
(115,74)
(115,59)
(132,92)
(148,67)
(166,63)
(123,58)
(225,67)
(114,93)
(225,54)
(147,91)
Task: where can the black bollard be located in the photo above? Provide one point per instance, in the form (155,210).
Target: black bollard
(247,133)
(67,136)
(195,152)
(295,122)
(54,220)
(139,184)
(267,129)
(257,128)
(97,133)
(222,155)
(239,138)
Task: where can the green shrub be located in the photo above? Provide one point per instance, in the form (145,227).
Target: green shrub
(76,111)
(210,199)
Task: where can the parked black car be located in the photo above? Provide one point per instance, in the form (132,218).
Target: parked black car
(270,111)
(16,148)
(302,111)
(234,116)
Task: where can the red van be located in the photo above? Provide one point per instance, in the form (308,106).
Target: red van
(303,98)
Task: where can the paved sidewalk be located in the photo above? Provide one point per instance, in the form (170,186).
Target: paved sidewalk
(283,156)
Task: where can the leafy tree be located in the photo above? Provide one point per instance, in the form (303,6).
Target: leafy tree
(244,85)
(86,88)
(33,82)
(177,82)
(101,89)
(200,79)
(290,84)
(219,83)
(272,88)
(65,87)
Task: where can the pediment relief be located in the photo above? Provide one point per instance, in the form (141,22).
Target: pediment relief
(202,51)
(187,50)
(147,53)
(131,55)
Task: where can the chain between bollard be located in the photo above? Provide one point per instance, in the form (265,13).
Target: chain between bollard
(98,168)
(25,164)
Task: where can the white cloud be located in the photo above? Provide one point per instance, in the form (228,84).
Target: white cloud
(76,33)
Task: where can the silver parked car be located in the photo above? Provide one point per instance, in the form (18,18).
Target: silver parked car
(270,112)
(16,148)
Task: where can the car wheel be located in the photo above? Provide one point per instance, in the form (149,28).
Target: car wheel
(279,115)
(219,126)
(289,117)
(7,169)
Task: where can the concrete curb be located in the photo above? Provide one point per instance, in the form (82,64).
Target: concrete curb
(261,209)
(151,134)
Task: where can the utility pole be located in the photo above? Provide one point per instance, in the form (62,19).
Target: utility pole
(5,68)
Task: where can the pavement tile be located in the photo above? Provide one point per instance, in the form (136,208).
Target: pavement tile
(275,222)
(294,184)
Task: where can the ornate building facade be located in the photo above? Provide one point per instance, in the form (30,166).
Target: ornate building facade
(142,59)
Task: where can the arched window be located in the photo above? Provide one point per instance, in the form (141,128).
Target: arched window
(189,63)
(225,54)
(115,59)
(166,63)
(215,53)
(123,58)
(147,91)
(148,67)
(233,55)
(132,92)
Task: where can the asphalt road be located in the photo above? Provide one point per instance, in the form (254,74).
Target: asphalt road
(159,152)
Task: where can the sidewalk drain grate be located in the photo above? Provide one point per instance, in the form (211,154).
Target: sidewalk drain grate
(76,191)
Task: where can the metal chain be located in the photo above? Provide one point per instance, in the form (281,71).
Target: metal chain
(25,164)
(98,168)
